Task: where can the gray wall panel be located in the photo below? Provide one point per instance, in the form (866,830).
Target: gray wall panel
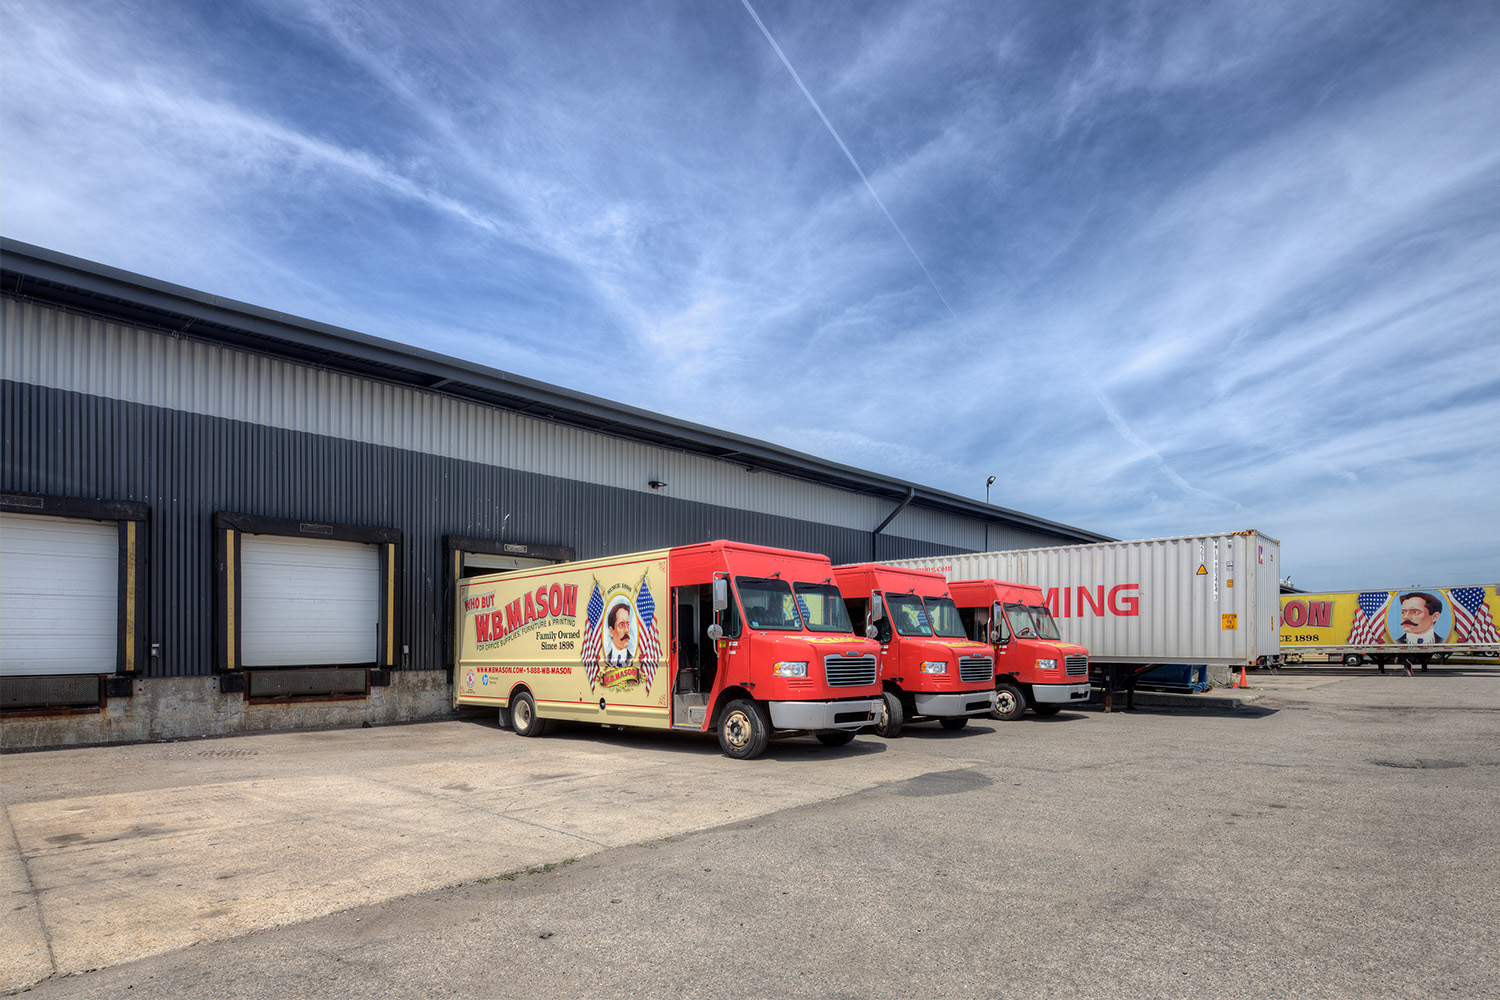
(52,347)
(186,466)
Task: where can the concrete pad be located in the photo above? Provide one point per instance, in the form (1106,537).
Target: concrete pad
(25,958)
(122,852)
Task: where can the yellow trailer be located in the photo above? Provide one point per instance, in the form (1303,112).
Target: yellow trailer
(1416,625)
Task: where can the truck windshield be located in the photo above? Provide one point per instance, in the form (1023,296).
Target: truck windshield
(944,616)
(1045,626)
(822,607)
(907,614)
(1022,625)
(768,603)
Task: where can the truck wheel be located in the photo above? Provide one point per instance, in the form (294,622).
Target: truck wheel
(743,731)
(891,720)
(835,737)
(523,717)
(958,723)
(1044,709)
(1352,659)
(1010,703)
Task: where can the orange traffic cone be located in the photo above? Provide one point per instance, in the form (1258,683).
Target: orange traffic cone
(1242,683)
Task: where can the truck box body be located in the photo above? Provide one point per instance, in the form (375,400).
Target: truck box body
(624,641)
(1033,665)
(932,674)
(1352,624)
(1212,599)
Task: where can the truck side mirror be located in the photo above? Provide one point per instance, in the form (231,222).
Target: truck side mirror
(999,630)
(721,604)
(877,612)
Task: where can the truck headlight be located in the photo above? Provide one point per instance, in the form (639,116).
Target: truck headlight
(935,666)
(790,668)
(1046,664)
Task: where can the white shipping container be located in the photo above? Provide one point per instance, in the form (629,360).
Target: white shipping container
(1196,599)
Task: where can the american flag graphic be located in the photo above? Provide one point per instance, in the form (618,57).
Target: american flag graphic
(1471,616)
(593,635)
(1369,619)
(649,642)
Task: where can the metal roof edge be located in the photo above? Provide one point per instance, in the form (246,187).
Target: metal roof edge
(29,271)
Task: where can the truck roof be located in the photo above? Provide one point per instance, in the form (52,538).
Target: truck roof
(754,560)
(899,578)
(971,593)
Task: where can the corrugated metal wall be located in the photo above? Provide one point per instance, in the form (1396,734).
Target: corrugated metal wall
(187,466)
(62,350)
(97,410)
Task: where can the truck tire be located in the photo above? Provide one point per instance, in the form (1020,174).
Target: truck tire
(958,723)
(1352,659)
(523,717)
(1045,709)
(834,737)
(744,730)
(892,719)
(1010,703)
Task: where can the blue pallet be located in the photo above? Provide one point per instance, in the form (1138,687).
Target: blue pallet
(1178,678)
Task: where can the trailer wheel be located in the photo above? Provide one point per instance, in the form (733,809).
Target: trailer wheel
(958,723)
(1045,709)
(743,731)
(834,737)
(523,717)
(1352,659)
(1010,703)
(892,719)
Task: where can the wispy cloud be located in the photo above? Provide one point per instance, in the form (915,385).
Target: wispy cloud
(1201,268)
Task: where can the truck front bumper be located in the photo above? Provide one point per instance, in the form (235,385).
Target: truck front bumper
(944,706)
(854,714)
(1059,693)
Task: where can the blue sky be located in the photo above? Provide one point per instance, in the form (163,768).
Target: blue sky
(1160,268)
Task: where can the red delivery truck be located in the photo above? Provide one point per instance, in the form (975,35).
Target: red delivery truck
(929,669)
(740,640)
(1033,666)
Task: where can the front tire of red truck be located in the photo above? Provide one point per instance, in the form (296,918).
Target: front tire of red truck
(744,730)
(1010,703)
(892,719)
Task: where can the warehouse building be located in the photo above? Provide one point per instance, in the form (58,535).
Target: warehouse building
(215,518)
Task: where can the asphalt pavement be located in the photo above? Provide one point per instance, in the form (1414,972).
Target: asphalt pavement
(1331,833)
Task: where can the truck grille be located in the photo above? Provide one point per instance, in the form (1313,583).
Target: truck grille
(976,668)
(1078,666)
(849,671)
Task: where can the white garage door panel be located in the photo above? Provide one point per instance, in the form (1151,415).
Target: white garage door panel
(307,601)
(485,562)
(59,595)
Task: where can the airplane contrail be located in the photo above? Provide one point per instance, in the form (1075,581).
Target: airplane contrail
(852,161)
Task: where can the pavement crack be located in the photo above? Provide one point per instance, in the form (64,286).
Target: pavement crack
(36,902)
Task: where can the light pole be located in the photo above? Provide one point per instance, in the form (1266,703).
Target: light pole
(987,484)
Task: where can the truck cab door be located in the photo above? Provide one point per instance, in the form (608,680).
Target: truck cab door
(1002,640)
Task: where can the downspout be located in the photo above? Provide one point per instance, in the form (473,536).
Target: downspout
(911,494)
